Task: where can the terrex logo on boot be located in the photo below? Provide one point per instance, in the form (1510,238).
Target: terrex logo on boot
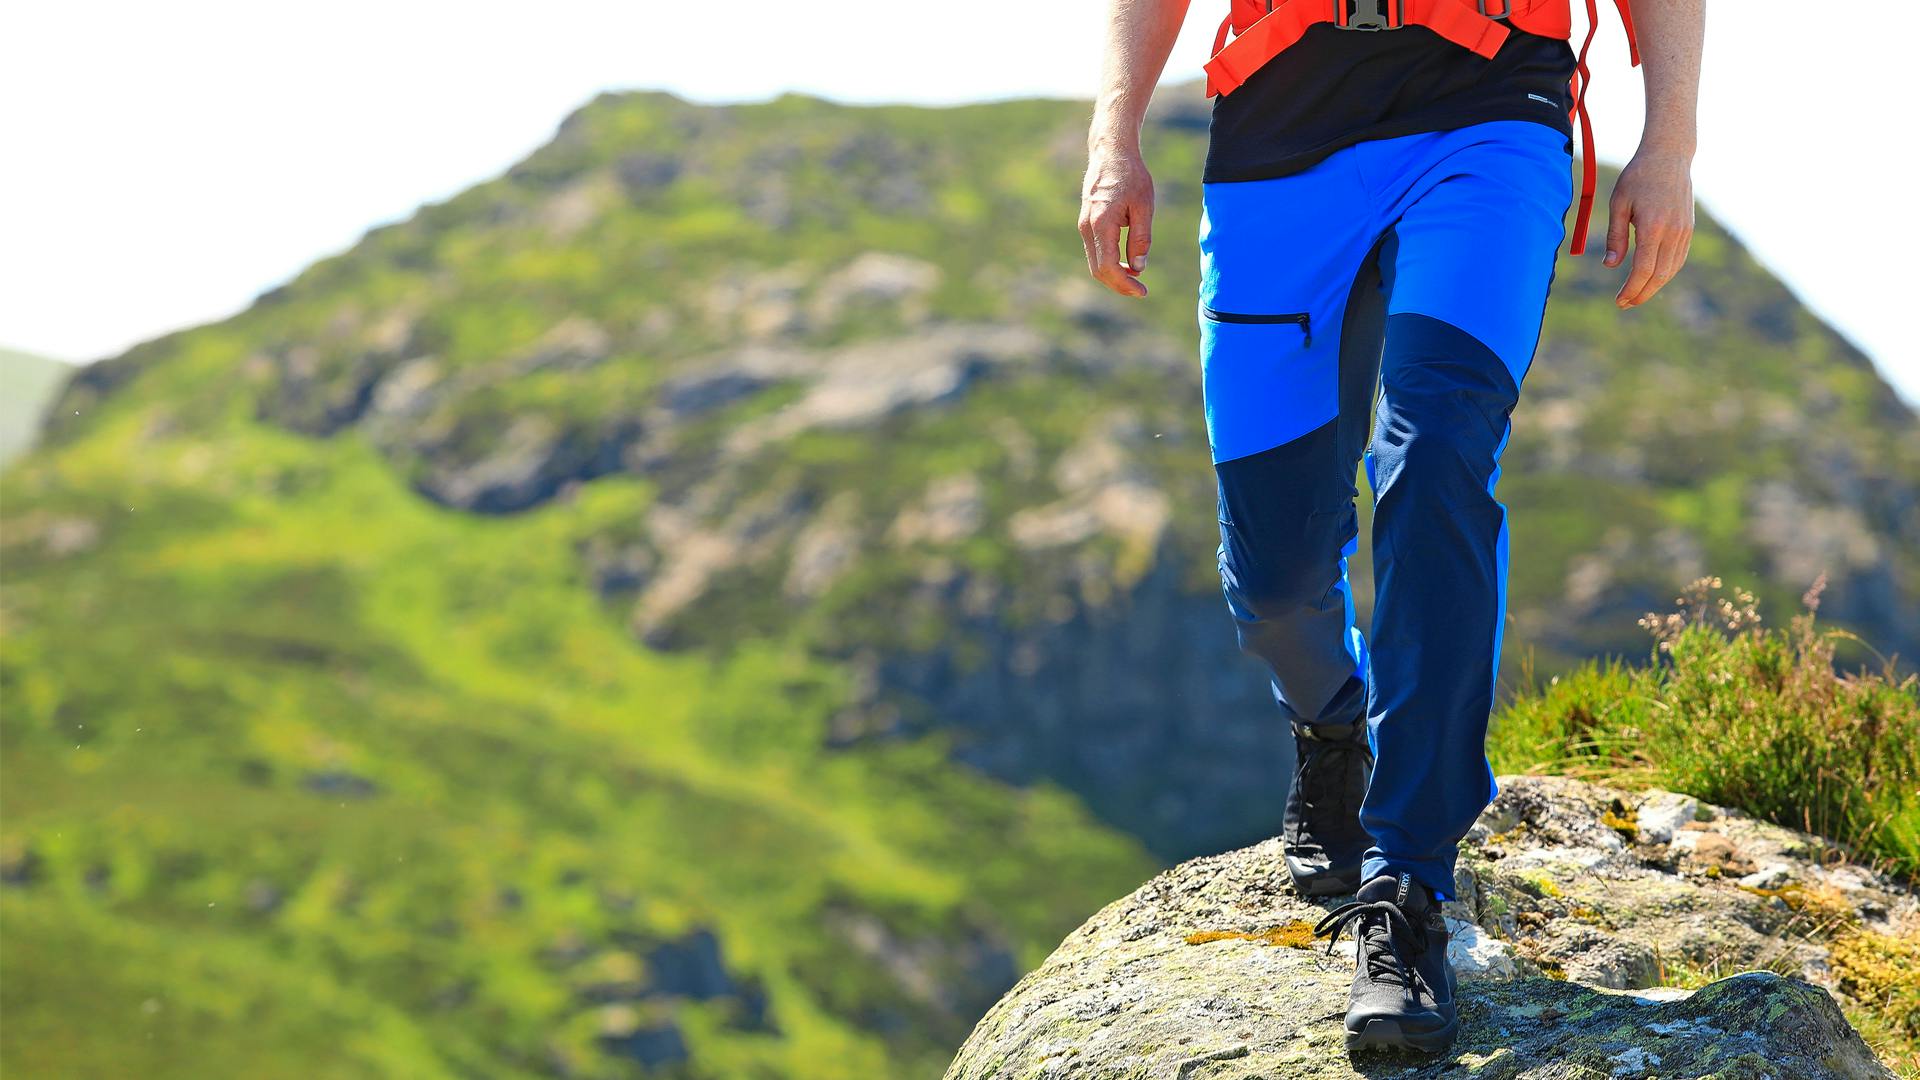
(1406,890)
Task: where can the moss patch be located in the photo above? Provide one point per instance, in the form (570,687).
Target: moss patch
(1882,971)
(1294,935)
(1542,885)
(1621,819)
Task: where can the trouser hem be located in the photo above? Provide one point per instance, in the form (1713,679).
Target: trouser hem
(1435,874)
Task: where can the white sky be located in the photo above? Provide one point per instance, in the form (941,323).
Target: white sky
(161,164)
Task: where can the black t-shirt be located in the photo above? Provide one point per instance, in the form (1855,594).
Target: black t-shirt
(1337,87)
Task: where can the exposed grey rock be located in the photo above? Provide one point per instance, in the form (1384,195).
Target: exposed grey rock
(644,968)
(1475,953)
(949,512)
(705,391)
(1770,876)
(953,977)
(652,1045)
(858,385)
(59,536)
(572,343)
(876,280)
(533,460)
(825,549)
(1101,473)
(690,967)
(1207,972)
(1596,958)
(883,171)
(615,567)
(1664,813)
(1630,917)
(263,897)
(1052,526)
(407,390)
(700,552)
(322,384)
(761,305)
(569,211)
(340,783)
(643,174)
(317,391)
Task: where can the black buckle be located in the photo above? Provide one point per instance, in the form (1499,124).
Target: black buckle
(1366,15)
(1505,6)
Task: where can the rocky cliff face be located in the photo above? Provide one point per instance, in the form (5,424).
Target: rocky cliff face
(1581,909)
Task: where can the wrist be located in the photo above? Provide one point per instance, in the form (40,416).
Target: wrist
(1114,132)
(1672,145)
(1114,151)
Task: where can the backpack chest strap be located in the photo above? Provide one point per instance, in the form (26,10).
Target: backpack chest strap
(1471,24)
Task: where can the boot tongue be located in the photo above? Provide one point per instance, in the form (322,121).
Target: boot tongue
(1380,888)
(1407,894)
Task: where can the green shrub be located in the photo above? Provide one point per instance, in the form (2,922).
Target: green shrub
(1741,715)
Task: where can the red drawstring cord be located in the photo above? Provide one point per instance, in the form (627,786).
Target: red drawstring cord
(1589,170)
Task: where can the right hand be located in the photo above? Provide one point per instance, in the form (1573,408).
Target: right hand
(1118,194)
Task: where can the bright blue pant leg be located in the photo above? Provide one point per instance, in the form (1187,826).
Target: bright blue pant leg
(1426,259)
(1290,332)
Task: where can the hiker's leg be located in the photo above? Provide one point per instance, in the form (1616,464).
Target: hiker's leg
(1467,265)
(1291,315)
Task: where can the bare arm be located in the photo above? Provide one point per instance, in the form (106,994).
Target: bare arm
(1655,192)
(1119,191)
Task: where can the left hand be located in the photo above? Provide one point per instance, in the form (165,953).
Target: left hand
(1654,197)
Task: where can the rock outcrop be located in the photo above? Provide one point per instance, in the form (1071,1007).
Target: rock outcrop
(1576,903)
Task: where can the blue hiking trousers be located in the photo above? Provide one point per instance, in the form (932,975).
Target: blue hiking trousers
(1419,266)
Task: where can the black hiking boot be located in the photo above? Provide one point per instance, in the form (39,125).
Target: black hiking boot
(1403,987)
(1322,839)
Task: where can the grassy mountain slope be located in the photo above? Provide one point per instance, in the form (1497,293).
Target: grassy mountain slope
(266,759)
(27,384)
(540,640)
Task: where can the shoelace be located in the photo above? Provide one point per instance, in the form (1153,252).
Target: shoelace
(1388,961)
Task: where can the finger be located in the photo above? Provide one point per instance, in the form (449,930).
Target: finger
(1139,238)
(1087,245)
(1665,264)
(1105,242)
(1673,255)
(1664,247)
(1648,252)
(1120,280)
(1619,213)
(1662,271)
(1646,258)
(1106,257)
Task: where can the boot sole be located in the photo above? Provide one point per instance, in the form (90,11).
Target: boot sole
(1380,1034)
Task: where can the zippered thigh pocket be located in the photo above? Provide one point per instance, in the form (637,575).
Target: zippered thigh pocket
(1264,382)
(1297,318)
